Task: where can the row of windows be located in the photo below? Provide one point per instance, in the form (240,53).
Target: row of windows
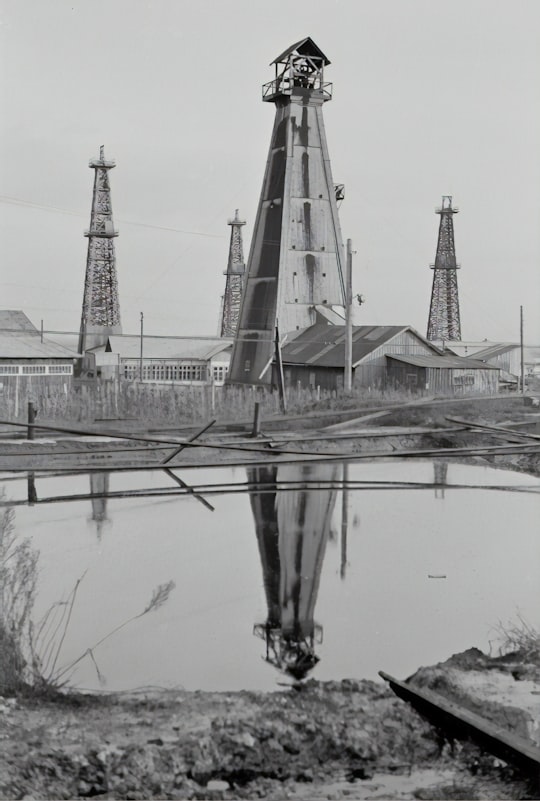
(461,380)
(174,372)
(36,369)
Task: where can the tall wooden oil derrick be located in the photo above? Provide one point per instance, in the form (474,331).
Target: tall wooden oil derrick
(101,308)
(234,283)
(296,256)
(292,529)
(444,323)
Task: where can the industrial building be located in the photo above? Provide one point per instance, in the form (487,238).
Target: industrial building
(160,359)
(26,354)
(31,365)
(382,357)
(504,355)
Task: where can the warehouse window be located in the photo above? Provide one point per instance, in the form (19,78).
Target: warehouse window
(463,380)
(34,369)
(57,369)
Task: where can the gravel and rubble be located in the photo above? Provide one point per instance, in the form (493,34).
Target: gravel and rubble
(350,739)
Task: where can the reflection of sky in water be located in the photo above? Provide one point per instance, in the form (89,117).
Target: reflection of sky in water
(387,614)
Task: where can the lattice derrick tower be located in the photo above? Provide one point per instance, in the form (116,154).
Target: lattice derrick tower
(234,283)
(295,262)
(101,308)
(444,322)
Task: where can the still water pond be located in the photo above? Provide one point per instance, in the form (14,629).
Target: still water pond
(278,581)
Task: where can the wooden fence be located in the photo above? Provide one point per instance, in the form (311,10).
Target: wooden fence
(100,399)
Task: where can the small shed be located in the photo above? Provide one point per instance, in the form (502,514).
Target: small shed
(444,375)
(504,355)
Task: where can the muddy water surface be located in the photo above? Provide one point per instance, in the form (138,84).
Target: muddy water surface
(293,578)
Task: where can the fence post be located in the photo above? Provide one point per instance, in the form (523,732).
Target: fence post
(31,418)
(256,420)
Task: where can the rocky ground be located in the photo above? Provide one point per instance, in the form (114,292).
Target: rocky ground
(349,739)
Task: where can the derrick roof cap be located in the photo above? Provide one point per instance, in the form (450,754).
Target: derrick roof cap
(305,47)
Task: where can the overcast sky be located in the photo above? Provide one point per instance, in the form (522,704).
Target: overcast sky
(429,99)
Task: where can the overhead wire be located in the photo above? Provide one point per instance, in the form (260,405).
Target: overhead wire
(59,210)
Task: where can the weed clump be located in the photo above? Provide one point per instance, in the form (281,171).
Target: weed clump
(519,638)
(31,652)
(18,578)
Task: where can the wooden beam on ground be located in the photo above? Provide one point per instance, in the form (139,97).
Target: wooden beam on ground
(461,723)
(496,429)
(285,457)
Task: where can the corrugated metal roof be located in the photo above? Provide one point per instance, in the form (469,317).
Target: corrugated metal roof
(203,348)
(456,362)
(470,348)
(324,345)
(305,47)
(495,350)
(30,346)
(66,340)
(13,320)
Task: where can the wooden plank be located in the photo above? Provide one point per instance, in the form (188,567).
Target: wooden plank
(272,457)
(461,723)
(189,489)
(195,436)
(498,429)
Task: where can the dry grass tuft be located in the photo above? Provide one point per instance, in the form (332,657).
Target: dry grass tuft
(519,637)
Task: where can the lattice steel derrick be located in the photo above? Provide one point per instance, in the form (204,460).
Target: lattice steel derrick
(101,307)
(234,283)
(444,321)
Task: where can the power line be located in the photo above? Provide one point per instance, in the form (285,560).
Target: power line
(30,204)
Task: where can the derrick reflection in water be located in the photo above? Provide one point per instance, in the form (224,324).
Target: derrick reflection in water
(99,487)
(292,527)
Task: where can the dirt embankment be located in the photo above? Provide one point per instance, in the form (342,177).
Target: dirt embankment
(349,739)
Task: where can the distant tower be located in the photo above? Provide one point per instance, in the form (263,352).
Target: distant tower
(101,308)
(296,257)
(235,279)
(443,320)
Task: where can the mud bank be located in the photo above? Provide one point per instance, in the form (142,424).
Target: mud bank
(349,739)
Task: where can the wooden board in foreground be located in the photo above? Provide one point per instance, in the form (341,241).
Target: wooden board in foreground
(460,723)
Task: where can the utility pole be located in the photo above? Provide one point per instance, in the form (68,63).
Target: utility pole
(347,381)
(141,351)
(521,350)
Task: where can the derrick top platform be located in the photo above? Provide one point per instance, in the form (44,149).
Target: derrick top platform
(102,162)
(446,206)
(299,70)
